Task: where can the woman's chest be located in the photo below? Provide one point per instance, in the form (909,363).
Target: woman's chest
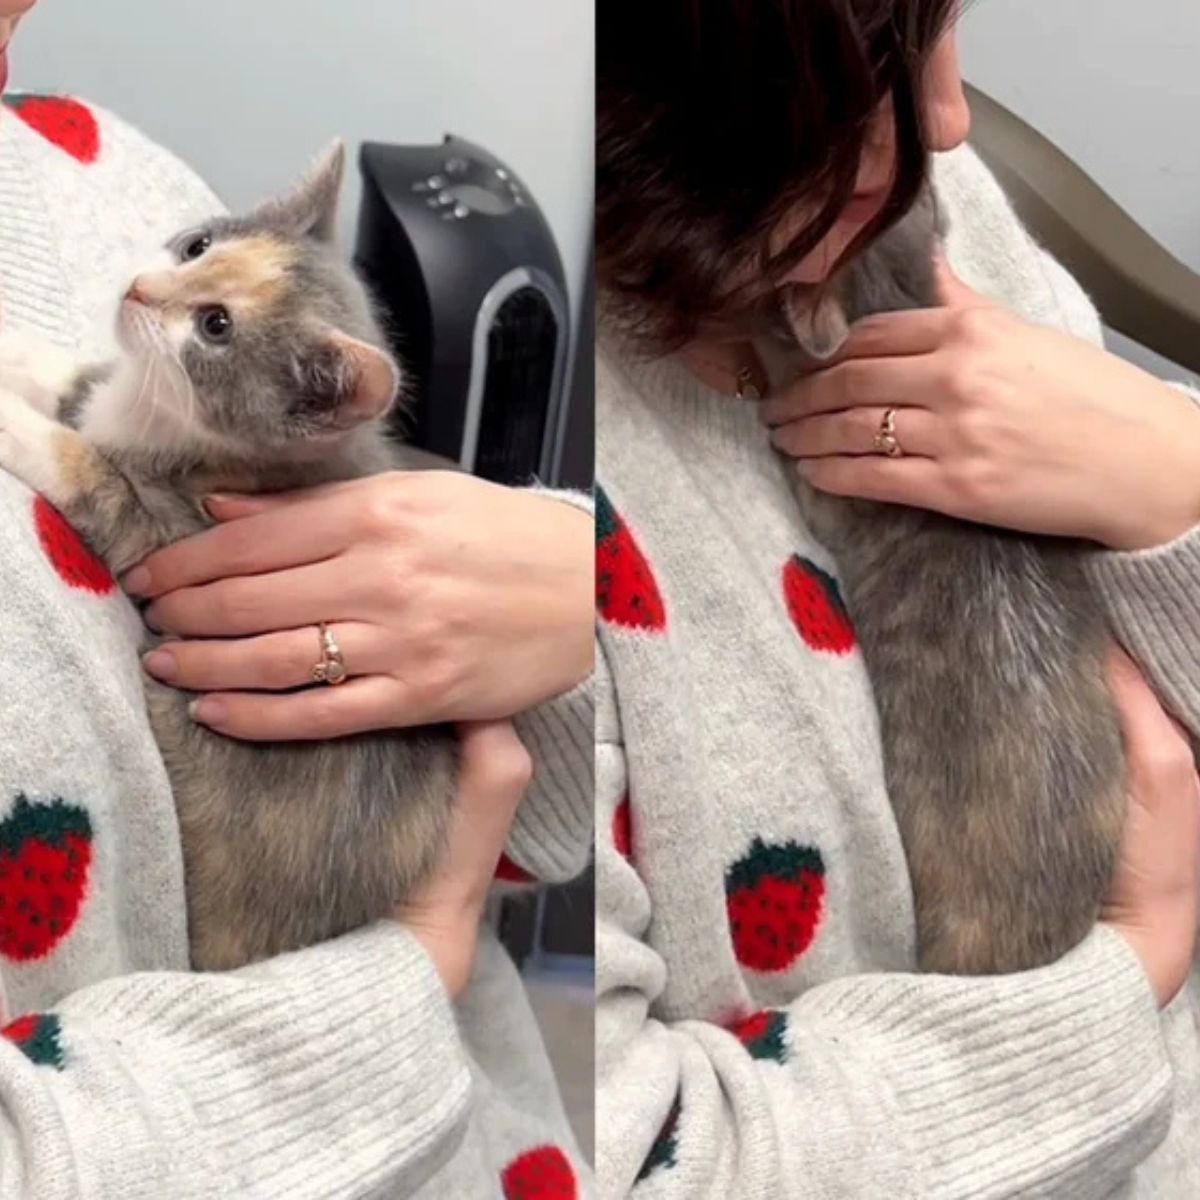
(760,823)
(90,870)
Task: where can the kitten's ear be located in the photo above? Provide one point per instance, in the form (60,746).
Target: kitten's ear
(820,328)
(310,208)
(368,379)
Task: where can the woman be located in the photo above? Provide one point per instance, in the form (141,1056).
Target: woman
(762,1030)
(399,1060)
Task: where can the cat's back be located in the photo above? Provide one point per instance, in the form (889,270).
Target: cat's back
(291,843)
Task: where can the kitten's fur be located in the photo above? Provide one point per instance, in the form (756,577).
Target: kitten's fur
(986,650)
(285,844)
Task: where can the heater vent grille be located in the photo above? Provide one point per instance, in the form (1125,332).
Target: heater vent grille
(516,389)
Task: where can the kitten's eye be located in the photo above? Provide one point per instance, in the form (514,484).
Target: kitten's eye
(196,247)
(215,324)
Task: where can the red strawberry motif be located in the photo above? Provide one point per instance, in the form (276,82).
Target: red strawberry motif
(36,1036)
(762,1034)
(816,607)
(45,857)
(774,896)
(61,120)
(622,830)
(76,565)
(665,1149)
(509,872)
(543,1173)
(626,593)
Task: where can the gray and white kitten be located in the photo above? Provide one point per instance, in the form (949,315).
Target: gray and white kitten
(986,651)
(251,361)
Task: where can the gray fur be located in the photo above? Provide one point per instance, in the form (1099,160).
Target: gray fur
(72,403)
(292,843)
(986,651)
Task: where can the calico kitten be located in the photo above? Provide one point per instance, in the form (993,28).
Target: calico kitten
(250,361)
(986,650)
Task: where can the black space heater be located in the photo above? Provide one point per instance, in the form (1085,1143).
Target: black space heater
(471,285)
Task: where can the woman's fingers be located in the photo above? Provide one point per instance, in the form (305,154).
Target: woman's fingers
(897,334)
(271,662)
(952,292)
(230,506)
(917,482)
(283,535)
(312,715)
(854,431)
(252,604)
(857,383)
(1144,721)
(494,773)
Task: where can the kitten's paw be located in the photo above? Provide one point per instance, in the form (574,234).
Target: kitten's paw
(27,446)
(35,369)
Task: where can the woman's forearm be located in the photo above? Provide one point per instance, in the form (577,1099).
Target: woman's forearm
(335,1071)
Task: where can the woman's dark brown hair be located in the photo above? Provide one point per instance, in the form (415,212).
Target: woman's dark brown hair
(718,118)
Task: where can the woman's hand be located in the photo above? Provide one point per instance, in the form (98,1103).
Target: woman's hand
(1154,900)
(444,915)
(449,597)
(1001,422)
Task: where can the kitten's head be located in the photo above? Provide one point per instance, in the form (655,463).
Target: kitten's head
(254,334)
(895,273)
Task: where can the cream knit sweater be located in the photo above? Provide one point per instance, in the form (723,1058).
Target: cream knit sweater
(762,1031)
(340,1071)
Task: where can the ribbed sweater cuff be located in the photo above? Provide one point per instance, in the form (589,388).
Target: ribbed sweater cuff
(329,1072)
(1153,599)
(551,834)
(577,499)
(1031,1082)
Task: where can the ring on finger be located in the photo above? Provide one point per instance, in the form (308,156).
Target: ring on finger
(886,441)
(331,667)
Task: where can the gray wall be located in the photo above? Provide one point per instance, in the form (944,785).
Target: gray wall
(1116,84)
(248,90)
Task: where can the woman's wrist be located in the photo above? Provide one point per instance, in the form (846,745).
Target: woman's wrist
(1173,506)
(450,946)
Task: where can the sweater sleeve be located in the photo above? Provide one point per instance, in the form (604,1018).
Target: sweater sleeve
(1050,1083)
(551,837)
(1152,598)
(335,1071)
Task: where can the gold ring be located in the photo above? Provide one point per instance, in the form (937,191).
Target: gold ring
(885,439)
(331,668)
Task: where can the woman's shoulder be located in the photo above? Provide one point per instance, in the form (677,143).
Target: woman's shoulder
(87,198)
(70,136)
(989,247)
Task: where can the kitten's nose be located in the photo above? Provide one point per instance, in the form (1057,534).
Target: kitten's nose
(134,294)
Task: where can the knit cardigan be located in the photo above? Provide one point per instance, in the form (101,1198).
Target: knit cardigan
(338,1071)
(762,1028)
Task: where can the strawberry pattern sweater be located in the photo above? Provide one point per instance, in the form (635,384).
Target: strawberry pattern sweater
(339,1071)
(762,1030)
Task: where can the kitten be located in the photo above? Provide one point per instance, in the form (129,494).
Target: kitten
(250,362)
(986,650)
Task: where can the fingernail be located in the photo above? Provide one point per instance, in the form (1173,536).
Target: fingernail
(151,620)
(137,581)
(206,711)
(161,664)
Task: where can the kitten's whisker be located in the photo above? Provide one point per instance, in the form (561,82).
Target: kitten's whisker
(147,388)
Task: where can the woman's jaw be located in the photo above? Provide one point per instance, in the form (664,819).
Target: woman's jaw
(11,12)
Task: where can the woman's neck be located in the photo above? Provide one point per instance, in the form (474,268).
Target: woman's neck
(729,367)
